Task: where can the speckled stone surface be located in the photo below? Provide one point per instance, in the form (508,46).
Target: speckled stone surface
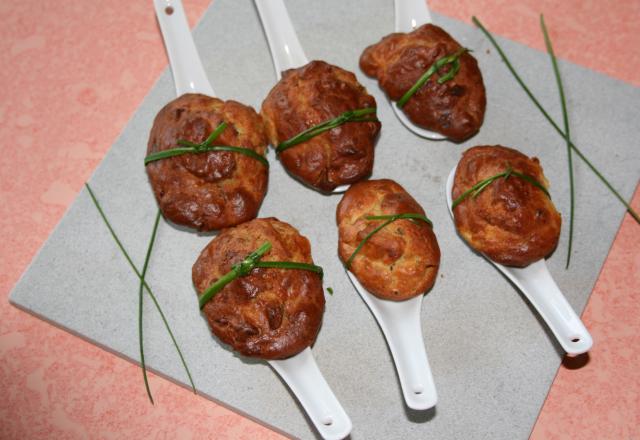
(59,386)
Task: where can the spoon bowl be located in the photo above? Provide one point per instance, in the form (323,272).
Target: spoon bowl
(536,283)
(400,323)
(411,14)
(300,372)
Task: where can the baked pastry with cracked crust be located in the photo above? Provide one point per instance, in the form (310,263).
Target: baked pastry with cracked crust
(399,261)
(511,221)
(212,190)
(454,108)
(270,313)
(308,96)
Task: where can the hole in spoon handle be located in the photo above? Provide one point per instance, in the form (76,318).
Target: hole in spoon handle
(541,290)
(400,323)
(404,337)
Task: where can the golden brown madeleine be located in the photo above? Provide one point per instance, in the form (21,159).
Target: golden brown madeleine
(308,96)
(454,108)
(511,221)
(270,313)
(213,190)
(399,261)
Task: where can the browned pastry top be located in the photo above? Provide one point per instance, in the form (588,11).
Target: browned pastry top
(270,313)
(401,260)
(308,96)
(454,108)
(512,221)
(213,190)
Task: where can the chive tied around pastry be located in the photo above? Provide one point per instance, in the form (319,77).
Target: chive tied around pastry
(308,97)
(513,220)
(448,92)
(398,261)
(208,190)
(269,312)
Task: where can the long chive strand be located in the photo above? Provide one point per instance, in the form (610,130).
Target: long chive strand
(146,286)
(140,303)
(565,120)
(173,339)
(631,211)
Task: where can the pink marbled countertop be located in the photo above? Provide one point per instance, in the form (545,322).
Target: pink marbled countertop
(75,71)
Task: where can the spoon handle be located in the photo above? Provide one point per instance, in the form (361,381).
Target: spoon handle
(402,329)
(188,74)
(286,50)
(400,323)
(410,14)
(536,283)
(303,377)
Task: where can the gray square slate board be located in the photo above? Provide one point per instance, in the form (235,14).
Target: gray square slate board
(492,358)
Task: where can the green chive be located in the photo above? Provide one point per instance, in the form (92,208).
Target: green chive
(241,269)
(359,115)
(532,181)
(452,59)
(140,301)
(631,211)
(245,267)
(188,147)
(290,265)
(217,287)
(204,149)
(565,120)
(395,217)
(390,219)
(476,189)
(188,144)
(330,290)
(142,280)
(215,133)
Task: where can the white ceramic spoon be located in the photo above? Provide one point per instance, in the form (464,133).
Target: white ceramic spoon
(303,377)
(411,14)
(300,372)
(188,74)
(538,286)
(400,323)
(285,47)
